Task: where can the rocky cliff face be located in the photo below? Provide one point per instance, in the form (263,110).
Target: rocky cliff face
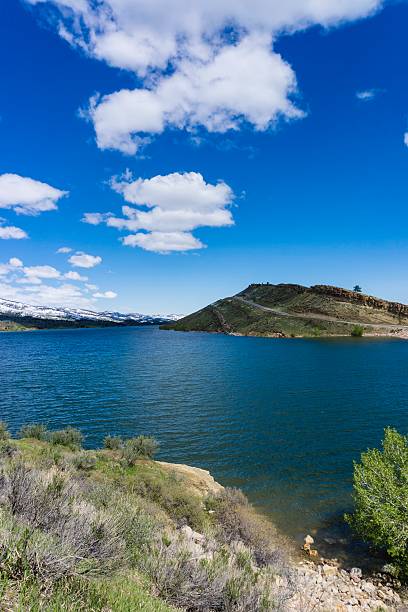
(401,310)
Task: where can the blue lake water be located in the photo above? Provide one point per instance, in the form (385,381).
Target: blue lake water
(282,419)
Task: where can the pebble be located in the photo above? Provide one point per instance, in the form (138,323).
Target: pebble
(328,588)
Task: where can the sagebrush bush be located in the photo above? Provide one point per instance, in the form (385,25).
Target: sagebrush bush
(4,432)
(51,530)
(84,461)
(8,449)
(70,436)
(141,447)
(381,498)
(113,442)
(37,431)
(51,456)
(237,521)
(140,525)
(219,582)
(181,505)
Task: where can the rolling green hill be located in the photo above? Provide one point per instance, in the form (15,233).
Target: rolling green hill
(288,310)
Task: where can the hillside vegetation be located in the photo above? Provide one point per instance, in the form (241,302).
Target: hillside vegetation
(112,529)
(27,322)
(6,326)
(293,310)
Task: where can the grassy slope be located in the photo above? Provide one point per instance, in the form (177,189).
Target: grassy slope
(163,498)
(233,316)
(297,299)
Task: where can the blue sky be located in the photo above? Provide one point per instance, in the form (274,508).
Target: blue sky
(309,186)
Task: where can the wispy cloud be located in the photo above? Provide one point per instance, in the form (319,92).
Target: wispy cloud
(367,94)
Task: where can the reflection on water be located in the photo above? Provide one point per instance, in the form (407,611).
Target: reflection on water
(283,419)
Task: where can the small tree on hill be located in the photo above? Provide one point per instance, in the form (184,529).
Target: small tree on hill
(357,289)
(381,498)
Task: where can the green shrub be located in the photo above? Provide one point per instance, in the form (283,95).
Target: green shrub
(70,436)
(33,430)
(357,331)
(141,447)
(381,498)
(4,432)
(113,442)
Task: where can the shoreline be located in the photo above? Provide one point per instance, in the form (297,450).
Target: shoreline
(403,335)
(196,516)
(326,583)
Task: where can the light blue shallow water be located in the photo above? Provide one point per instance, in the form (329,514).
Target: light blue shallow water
(283,419)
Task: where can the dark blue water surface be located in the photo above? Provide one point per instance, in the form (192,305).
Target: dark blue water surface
(283,419)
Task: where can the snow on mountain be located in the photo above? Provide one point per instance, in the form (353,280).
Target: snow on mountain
(19,309)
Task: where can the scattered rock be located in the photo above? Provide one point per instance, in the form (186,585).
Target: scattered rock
(195,543)
(329,570)
(352,601)
(368,587)
(326,588)
(356,573)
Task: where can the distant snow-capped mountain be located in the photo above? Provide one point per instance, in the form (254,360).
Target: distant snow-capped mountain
(19,310)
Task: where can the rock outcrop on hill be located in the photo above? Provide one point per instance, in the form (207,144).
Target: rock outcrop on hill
(396,308)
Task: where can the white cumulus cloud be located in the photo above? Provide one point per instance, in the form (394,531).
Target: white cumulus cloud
(208,94)
(27,196)
(163,242)
(208,63)
(64,250)
(12,232)
(83,260)
(177,204)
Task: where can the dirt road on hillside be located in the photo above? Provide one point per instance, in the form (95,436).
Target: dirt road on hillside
(400,329)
